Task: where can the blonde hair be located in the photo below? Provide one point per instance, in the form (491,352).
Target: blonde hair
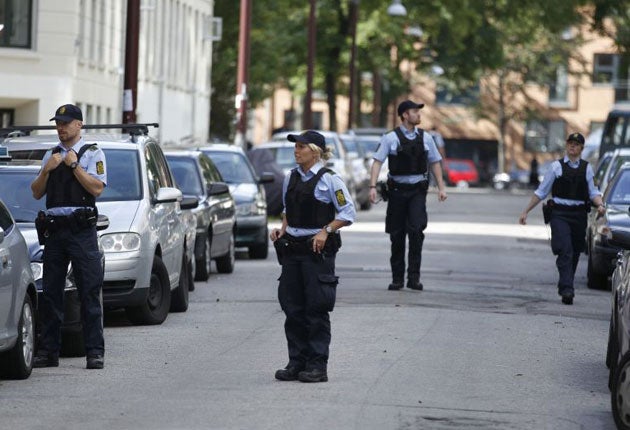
(323,154)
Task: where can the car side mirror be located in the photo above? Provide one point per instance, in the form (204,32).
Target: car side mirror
(217,188)
(266,178)
(102,222)
(189,203)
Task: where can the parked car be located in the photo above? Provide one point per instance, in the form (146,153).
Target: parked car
(264,164)
(609,165)
(359,170)
(369,144)
(18,301)
(215,216)
(248,192)
(460,172)
(616,131)
(618,349)
(147,255)
(601,251)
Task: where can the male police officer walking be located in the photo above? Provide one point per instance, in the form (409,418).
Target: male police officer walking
(409,151)
(317,204)
(72,176)
(570,182)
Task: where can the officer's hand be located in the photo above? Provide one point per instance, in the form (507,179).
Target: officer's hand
(373,195)
(523,218)
(71,157)
(601,210)
(319,240)
(442,195)
(53,162)
(275,234)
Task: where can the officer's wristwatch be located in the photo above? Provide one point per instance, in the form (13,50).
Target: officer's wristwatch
(74,165)
(328,229)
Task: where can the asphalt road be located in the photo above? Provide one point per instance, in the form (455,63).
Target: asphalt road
(486,345)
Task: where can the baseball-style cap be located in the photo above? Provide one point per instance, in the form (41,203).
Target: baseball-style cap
(309,136)
(408,104)
(67,113)
(576,137)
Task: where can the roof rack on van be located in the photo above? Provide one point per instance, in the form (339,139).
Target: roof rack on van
(25,130)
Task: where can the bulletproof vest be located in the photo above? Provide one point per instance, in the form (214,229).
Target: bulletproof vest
(303,209)
(572,183)
(64,190)
(411,158)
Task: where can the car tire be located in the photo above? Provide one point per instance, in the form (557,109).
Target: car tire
(155,309)
(260,251)
(595,280)
(17,363)
(610,347)
(191,276)
(225,263)
(179,296)
(72,344)
(204,265)
(620,393)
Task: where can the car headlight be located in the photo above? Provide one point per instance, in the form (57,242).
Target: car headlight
(37,269)
(120,242)
(251,208)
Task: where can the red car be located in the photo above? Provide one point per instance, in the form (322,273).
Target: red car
(460,171)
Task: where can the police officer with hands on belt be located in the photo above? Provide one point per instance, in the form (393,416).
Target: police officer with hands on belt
(72,176)
(410,152)
(316,205)
(570,182)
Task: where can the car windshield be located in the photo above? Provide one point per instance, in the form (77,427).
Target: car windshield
(232,166)
(368,145)
(123,176)
(620,192)
(21,203)
(458,166)
(186,175)
(284,156)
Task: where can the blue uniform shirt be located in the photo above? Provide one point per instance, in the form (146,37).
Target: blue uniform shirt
(389,145)
(88,162)
(555,172)
(324,192)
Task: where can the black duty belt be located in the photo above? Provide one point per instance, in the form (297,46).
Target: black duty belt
(406,187)
(569,208)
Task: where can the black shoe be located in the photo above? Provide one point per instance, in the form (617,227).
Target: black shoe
(314,375)
(46,361)
(415,285)
(290,373)
(567,299)
(95,362)
(395,286)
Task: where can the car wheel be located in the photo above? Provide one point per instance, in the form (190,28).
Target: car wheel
(620,393)
(259,251)
(155,309)
(610,347)
(225,264)
(595,280)
(204,265)
(17,363)
(191,276)
(179,296)
(72,344)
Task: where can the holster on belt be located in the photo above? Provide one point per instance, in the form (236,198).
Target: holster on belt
(41,226)
(281,246)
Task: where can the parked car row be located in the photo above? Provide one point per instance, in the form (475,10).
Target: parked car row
(163,218)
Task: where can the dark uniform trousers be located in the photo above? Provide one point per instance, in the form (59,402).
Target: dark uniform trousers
(81,248)
(306,292)
(568,230)
(406,216)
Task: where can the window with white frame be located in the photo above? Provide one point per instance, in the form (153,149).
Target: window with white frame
(544,136)
(605,68)
(559,91)
(16,21)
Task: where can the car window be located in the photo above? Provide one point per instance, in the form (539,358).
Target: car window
(334,145)
(209,170)
(615,165)
(166,179)
(601,169)
(234,167)
(186,175)
(28,154)
(153,172)
(123,176)
(284,156)
(5,219)
(459,166)
(620,192)
(22,204)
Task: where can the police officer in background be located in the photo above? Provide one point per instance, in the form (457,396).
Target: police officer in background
(72,176)
(570,182)
(410,152)
(317,204)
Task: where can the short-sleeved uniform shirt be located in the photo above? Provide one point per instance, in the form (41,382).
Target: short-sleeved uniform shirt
(554,172)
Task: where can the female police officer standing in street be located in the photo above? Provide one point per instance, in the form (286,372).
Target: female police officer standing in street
(570,182)
(73,174)
(317,204)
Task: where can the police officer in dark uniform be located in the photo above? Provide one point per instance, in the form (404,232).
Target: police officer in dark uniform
(410,152)
(317,204)
(570,182)
(72,176)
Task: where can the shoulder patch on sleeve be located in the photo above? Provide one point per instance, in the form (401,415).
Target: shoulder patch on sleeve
(100,168)
(341,199)
(93,147)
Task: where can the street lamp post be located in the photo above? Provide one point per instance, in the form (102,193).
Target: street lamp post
(307,115)
(243,73)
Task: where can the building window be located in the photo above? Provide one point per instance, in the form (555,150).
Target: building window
(446,94)
(544,136)
(15,23)
(605,68)
(559,91)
